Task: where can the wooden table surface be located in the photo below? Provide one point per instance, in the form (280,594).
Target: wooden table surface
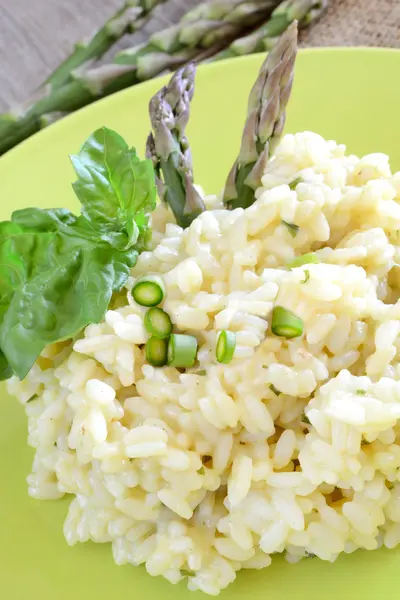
(35,35)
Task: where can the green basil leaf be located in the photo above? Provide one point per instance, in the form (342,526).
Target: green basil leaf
(5,369)
(15,245)
(41,220)
(59,271)
(115,187)
(66,283)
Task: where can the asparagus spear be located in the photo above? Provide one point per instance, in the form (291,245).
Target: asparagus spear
(50,118)
(304,11)
(147,61)
(127,20)
(213,23)
(18,125)
(169,149)
(265,121)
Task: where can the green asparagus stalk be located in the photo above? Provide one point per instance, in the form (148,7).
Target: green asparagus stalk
(182,43)
(169,149)
(86,87)
(303,11)
(210,26)
(265,121)
(128,19)
(50,118)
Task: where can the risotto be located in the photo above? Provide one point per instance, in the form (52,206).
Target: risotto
(294,446)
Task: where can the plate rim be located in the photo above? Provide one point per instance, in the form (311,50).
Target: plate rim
(21,154)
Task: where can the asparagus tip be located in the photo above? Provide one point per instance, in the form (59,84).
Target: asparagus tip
(265,120)
(169,149)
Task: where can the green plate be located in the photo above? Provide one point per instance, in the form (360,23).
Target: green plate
(351,95)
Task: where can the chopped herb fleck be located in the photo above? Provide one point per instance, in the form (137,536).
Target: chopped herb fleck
(293,184)
(361,392)
(306,276)
(292,227)
(187,573)
(34,397)
(306,420)
(273,389)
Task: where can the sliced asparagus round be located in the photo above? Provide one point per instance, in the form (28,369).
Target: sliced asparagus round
(311,258)
(182,351)
(158,323)
(285,323)
(148,291)
(226,345)
(156,351)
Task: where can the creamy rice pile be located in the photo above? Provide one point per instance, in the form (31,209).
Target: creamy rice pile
(294,446)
